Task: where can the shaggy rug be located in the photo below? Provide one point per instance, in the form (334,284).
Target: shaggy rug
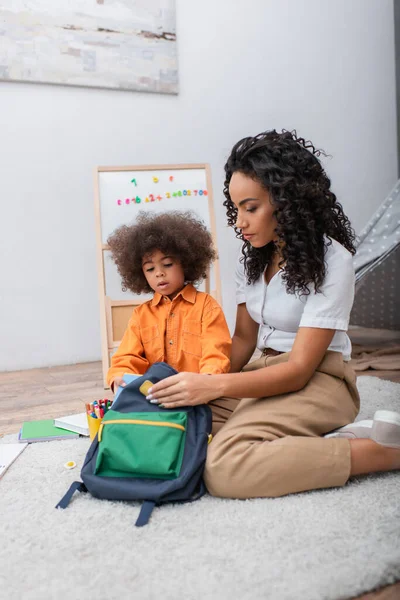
(327,544)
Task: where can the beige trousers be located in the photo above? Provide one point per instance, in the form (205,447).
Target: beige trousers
(268,447)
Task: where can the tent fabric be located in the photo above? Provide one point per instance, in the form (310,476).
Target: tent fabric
(377,267)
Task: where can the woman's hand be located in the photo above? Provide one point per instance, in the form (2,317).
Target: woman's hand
(184,389)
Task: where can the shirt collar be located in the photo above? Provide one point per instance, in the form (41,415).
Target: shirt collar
(188,293)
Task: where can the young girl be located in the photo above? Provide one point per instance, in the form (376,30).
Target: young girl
(167,253)
(295,288)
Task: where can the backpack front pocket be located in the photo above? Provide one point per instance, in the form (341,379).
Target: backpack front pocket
(141,444)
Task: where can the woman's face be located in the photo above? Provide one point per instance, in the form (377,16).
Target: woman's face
(255,215)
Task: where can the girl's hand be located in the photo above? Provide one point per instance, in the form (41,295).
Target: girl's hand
(184,389)
(118,381)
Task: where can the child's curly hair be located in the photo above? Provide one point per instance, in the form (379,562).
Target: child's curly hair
(175,233)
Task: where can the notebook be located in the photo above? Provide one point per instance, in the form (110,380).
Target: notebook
(127,377)
(8,453)
(42,431)
(77,423)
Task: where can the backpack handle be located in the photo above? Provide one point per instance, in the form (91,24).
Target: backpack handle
(145,513)
(77,486)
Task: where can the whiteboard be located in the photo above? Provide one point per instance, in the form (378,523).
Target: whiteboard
(123,194)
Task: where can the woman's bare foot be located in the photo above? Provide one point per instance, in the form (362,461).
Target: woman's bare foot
(368,456)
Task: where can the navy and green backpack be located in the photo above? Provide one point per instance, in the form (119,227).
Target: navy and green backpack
(144,452)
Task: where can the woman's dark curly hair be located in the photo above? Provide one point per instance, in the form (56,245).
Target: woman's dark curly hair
(305,208)
(175,233)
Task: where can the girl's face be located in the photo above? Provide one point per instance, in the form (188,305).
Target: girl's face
(164,274)
(255,215)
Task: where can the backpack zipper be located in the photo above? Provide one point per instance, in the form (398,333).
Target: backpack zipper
(139,422)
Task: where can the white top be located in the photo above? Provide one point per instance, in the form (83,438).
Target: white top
(281,314)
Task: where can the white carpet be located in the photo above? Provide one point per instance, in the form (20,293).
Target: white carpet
(321,545)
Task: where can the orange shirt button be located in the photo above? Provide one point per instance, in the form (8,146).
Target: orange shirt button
(172,315)
(171,342)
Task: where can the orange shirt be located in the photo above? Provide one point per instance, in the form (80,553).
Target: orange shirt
(189,333)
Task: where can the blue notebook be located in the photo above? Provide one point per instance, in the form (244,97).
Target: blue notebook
(128,377)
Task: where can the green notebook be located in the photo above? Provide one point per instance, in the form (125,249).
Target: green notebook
(42,431)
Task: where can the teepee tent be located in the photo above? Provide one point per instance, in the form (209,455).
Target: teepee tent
(377,266)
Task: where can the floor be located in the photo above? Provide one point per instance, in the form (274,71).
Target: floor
(52,392)
(48,393)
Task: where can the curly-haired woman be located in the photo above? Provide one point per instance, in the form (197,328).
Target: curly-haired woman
(295,288)
(166,254)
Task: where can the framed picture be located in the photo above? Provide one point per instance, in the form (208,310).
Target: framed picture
(117,44)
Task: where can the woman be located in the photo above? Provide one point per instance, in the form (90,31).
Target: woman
(295,289)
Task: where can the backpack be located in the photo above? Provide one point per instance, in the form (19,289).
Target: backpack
(144,452)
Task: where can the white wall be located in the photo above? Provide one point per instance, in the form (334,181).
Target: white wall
(325,67)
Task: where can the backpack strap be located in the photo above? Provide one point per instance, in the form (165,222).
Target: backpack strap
(77,486)
(145,513)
